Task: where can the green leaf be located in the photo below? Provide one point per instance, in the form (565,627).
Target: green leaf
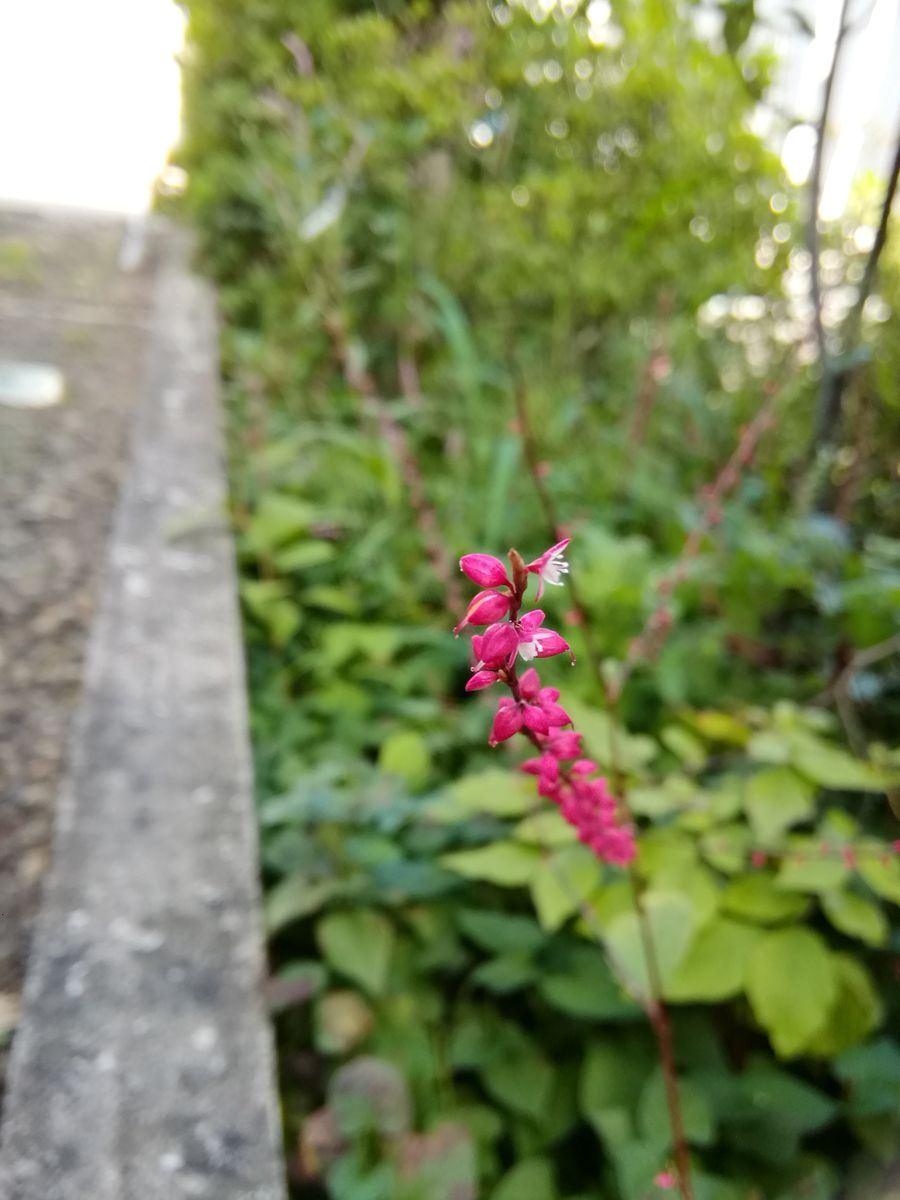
(807,870)
(662,850)
(358,944)
(776,799)
(756,897)
(562,882)
(856,916)
(278,518)
(505,863)
(653,1113)
(689,749)
(303,555)
(764,1111)
(406,755)
(531,1178)
(832,767)
(294,898)
(267,602)
(718,726)
(726,847)
(499,793)
(583,985)
(545,829)
(881,871)
(607,741)
(520,1079)
(671,921)
(611,1080)
(856,1010)
(714,966)
(871,1074)
(508,973)
(791,982)
(499,932)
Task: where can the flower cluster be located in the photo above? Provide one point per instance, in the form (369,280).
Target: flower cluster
(564,775)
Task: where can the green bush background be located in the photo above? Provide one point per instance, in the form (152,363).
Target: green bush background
(416,213)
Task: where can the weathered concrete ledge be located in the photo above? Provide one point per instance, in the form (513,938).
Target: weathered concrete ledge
(143,1064)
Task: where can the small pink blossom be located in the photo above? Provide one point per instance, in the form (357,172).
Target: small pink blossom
(550,566)
(484,609)
(507,721)
(584,766)
(665,1180)
(547,770)
(530,689)
(485,570)
(482,679)
(565,745)
(529,684)
(535,642)
(496,647)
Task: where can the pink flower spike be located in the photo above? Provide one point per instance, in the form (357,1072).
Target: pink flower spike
(481,679)
(665,1180)
(485,570)
(496,646)
(550,566)
(507,721)
(484,609)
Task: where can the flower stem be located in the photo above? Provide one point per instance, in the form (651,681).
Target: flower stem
(655,1006)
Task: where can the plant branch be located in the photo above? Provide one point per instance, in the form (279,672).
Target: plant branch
(821,432)
(398,443)
(535,467)
(836,378)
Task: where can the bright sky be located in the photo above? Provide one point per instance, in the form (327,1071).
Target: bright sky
(89,97)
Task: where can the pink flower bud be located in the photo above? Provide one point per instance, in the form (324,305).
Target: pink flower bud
(665,1180)
(529,684)
(565,745)
(485,608)
(481,679)
(584,766)
(535,718)
(498,644)
(485,570)
(507,721)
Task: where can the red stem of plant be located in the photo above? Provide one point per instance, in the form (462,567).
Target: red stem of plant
(656,1009)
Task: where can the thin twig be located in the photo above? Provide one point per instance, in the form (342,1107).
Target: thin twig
(658,625)
(548,506)
(395,437)
(812,232)
(836,379)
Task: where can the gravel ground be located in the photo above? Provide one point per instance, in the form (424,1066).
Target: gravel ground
(64,301)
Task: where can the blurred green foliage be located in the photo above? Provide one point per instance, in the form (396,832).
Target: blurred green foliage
(415,213)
